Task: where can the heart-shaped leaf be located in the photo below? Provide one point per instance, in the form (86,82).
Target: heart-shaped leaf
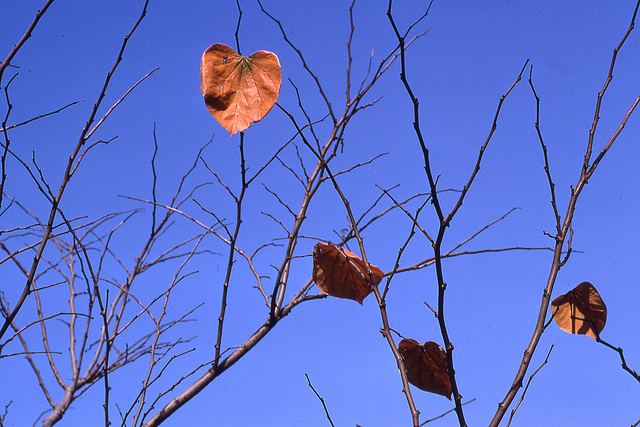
(426,366)
(239,90)
(342,274)
(580,311)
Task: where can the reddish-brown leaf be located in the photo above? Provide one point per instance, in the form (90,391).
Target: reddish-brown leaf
(580,311)
(342,274)
(239,90)
(426,366)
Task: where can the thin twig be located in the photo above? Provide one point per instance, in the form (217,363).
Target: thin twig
(326,411)
(24,38)
(524,392)
(233,239)
(619,350)
(448,412)
(41,116)
(547,169)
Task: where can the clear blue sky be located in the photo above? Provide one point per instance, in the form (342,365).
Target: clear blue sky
(459,69)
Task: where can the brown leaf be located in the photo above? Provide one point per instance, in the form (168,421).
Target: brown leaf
(342,274)
(580,311)
(426,366)
(239,90)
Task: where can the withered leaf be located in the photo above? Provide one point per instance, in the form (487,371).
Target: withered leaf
(239,90)
(580,311)
(426,366)
(342,274)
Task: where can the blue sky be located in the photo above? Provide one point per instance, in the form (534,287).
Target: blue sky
(471,54)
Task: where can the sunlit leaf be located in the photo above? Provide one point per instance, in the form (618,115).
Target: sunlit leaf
(342,274)
(580,311)
(239,90)
(426,366)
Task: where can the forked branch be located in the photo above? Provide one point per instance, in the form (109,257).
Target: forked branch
(564,233)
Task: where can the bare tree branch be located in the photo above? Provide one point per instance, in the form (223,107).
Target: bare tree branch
(24,38)
(562,234)
(70,166)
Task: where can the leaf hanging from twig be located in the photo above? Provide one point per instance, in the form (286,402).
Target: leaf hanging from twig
(426,366)
(580,311)
(239,90)
(342,274)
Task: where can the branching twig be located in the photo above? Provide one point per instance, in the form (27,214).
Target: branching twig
(566,231)
(443,221)
(70,166)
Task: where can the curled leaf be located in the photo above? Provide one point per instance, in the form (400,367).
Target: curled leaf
(239,90)
(580,311)
(426,366)
(342,274)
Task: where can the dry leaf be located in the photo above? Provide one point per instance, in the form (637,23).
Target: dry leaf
(426,366)
(342,274)
(239,90)
(580,311)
